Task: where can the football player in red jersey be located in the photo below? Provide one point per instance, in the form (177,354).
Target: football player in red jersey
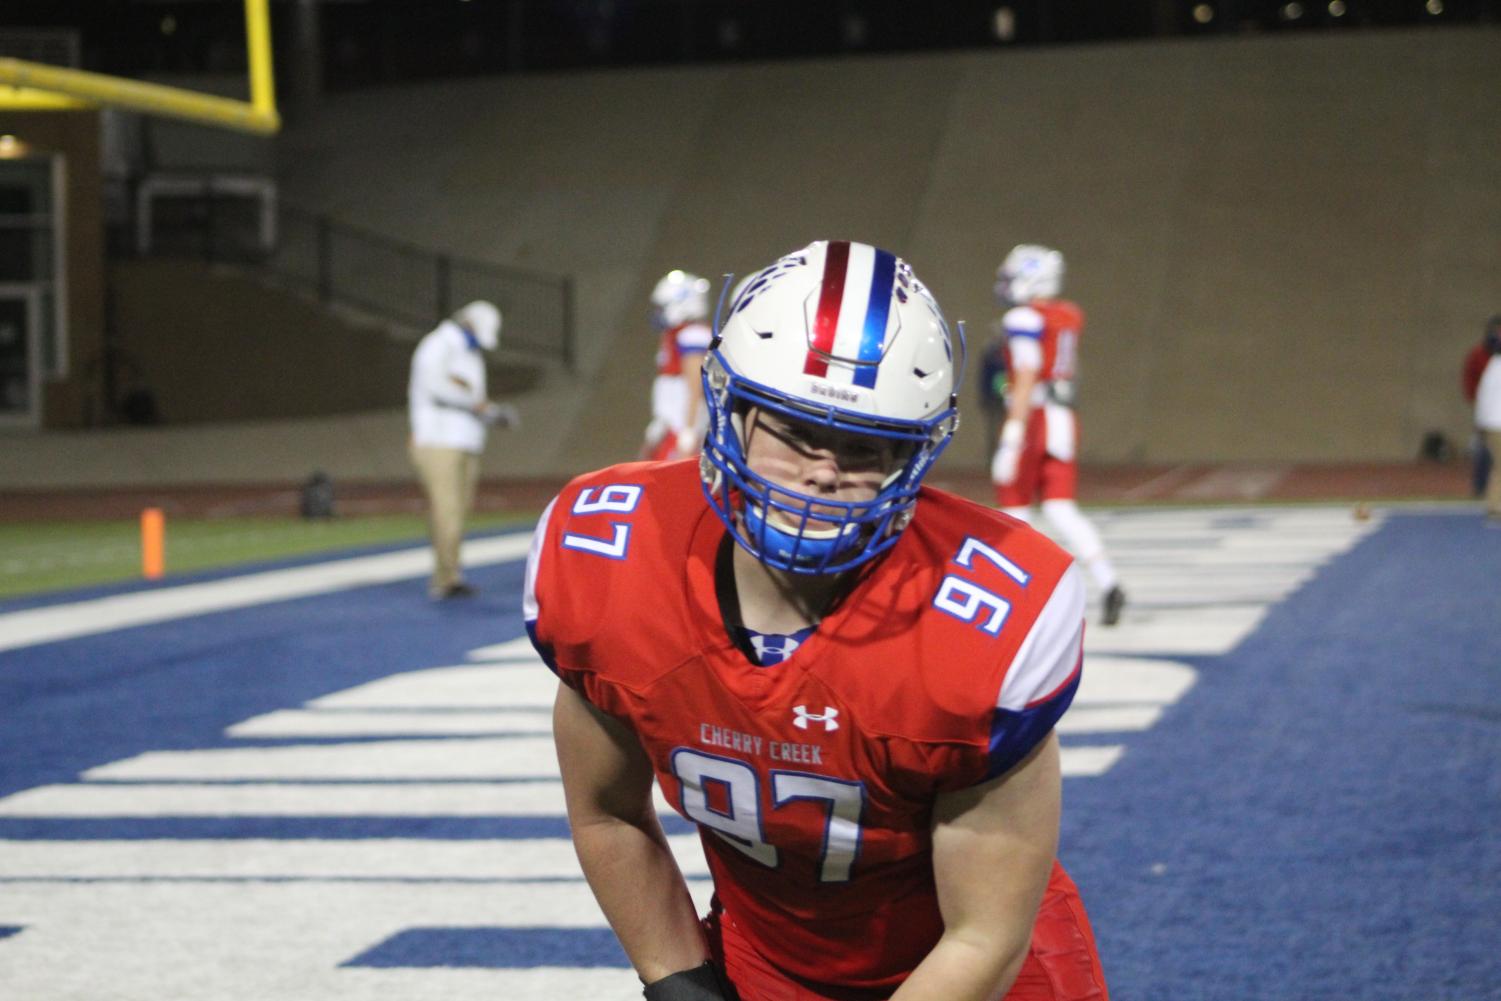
(847,680)
(1036,458)
(680,312)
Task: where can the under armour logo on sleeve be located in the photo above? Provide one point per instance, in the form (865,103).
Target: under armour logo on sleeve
(827,717)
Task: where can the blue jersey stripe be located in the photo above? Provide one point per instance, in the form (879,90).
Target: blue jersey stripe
(1013,732)
(873,337)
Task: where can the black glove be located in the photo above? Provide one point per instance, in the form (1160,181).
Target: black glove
(702,983)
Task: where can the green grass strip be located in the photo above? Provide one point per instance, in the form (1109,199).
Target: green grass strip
(37,557)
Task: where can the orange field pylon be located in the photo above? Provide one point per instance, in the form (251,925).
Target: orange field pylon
(153,543)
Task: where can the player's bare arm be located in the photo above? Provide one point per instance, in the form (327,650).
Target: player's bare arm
(1019,399)
(607,781)
(1014,431)
(993,847)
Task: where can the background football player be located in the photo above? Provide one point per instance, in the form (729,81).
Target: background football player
(1037,455)
(847,680)
(680,314)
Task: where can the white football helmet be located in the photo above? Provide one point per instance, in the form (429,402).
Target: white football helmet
(1029,272)
(844,336)
(679,298)
(481,319)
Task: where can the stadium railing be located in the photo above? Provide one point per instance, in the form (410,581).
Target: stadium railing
(213,218)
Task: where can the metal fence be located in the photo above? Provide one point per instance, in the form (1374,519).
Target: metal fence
(350,266)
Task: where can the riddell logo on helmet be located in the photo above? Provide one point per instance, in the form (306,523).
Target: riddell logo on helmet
(833,393)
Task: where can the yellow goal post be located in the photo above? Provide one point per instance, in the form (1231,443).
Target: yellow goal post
(26,85)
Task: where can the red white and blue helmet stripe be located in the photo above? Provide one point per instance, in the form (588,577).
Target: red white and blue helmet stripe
(854,304)
(840,335)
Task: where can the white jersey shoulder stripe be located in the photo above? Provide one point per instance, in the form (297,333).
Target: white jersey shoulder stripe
(1050,654)
(529,607)
(1023,321)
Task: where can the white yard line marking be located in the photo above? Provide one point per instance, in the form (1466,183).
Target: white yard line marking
(508,685)
(459,759)
(252,858)
(390,760)
(394,723)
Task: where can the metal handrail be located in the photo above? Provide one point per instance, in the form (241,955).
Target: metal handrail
(345,264)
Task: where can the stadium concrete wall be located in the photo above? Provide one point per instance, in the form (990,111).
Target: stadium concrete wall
(1283,243)
(210,344)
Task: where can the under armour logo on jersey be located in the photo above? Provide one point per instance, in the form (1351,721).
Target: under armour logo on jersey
(772,649)
(827,717)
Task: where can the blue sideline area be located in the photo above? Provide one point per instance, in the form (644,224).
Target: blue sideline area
(1321,816)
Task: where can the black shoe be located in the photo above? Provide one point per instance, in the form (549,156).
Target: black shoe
(1115,600)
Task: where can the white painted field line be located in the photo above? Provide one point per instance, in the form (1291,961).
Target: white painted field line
(395,723)
(459,759)
(375,799)
(516,649)
(1090,762)
(1184,631)
(121,611)
(1105,719)
(366,858)
(509,685)
(434,760)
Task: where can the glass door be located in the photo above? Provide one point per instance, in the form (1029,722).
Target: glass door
(30,346)
(20,361)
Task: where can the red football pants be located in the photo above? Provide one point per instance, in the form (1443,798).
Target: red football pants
(1040,476)
(663,450)
(1062,963)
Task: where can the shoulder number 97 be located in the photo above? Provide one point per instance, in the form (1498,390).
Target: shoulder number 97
(616,498)
(966,600)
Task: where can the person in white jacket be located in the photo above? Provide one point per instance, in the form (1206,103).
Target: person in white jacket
(1488,423)
(450,416)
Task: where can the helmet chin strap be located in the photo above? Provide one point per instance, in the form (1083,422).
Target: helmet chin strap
(779,522)
(784,538)
(809,546)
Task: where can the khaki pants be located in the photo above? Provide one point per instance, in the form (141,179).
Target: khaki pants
(449,477)
(1493,485)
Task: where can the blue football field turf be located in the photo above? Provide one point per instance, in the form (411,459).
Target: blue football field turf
(1319,817)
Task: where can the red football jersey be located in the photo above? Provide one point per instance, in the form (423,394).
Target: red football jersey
(685,338)
(813,780)
(1056,325)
